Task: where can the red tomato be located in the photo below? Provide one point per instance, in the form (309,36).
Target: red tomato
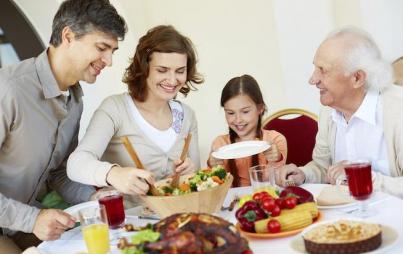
(273,226)
(268,205)
(264,194)
(257,196)
(279,202)
(290,202)
(247,252)
(276,211)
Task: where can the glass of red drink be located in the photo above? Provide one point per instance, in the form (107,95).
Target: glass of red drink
(359,181)
(113,202)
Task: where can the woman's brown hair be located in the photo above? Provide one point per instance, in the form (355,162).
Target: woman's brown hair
(163,39)
(246,85)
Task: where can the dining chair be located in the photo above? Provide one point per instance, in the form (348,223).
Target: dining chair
(398,71)
(299,128)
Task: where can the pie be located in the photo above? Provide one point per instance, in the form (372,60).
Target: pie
(343,237)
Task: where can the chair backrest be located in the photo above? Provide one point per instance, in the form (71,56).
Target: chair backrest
(299,128)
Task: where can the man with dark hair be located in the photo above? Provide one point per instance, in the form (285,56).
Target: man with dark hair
(40,110)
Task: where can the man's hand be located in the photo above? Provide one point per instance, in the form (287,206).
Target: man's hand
(130,180)
(100,193)
(185,167)
(51,223)
(336,172)
(288,173)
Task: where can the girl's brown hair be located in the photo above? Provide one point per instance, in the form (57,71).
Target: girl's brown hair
(164,39)
(246,85)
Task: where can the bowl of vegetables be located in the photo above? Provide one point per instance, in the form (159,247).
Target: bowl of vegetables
(202,192)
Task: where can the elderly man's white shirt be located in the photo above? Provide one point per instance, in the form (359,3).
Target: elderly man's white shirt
(362,136)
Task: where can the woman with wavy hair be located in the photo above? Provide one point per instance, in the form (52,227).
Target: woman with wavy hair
(149,115)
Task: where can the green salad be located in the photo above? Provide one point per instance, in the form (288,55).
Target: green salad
(202,180)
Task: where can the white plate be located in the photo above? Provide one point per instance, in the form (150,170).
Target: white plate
(73,210)
(240,149)
(389,238)
(316,188)
(324,207)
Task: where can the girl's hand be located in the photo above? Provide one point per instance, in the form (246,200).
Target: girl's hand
(272,154)
(214,161)
(130,180)
(184,167)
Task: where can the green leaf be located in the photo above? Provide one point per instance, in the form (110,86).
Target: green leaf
(145,236)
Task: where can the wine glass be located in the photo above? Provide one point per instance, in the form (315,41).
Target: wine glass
(94,226)
(359,180)
(113,202)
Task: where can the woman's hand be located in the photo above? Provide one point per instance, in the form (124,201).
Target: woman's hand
(184,167)
(272,154)
(130,180)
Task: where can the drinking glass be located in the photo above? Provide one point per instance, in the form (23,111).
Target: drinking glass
(262,176)
(94,226)
(113,202)
(359,179)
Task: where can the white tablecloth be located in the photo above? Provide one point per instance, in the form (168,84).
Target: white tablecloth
(387,209)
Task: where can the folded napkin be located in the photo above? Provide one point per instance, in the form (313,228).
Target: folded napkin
(334,195)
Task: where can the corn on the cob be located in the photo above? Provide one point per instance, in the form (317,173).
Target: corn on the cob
(309,206)
(288,221)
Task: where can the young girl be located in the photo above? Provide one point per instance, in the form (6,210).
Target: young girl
(244,107)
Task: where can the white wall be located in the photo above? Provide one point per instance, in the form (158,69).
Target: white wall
(272,40)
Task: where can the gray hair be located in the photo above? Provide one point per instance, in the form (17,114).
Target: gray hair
(85,16)
(363,54)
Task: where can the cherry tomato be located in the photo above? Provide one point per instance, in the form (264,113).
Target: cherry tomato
(290,202)
(257,196)
(279,202)
(273,226)
(276,211)
(268,205)
(264,194)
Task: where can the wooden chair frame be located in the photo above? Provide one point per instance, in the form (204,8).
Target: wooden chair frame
(289,111)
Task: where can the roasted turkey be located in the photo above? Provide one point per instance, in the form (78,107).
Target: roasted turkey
(194,233)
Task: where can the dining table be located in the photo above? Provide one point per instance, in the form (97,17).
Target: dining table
(385,207)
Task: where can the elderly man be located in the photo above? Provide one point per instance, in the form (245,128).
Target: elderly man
(362,115)
(40,110)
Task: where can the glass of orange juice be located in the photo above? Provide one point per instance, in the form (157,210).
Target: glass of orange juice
(94,226)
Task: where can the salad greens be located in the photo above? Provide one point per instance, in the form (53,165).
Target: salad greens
(203,175)
(203,179)
(139,239)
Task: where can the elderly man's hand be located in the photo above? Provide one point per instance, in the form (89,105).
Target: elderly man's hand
(289,173)
(51,223)
(336,173)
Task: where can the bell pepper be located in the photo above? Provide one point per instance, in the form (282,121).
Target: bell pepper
(248,214)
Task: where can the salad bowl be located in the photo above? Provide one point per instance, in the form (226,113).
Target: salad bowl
(204,200)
